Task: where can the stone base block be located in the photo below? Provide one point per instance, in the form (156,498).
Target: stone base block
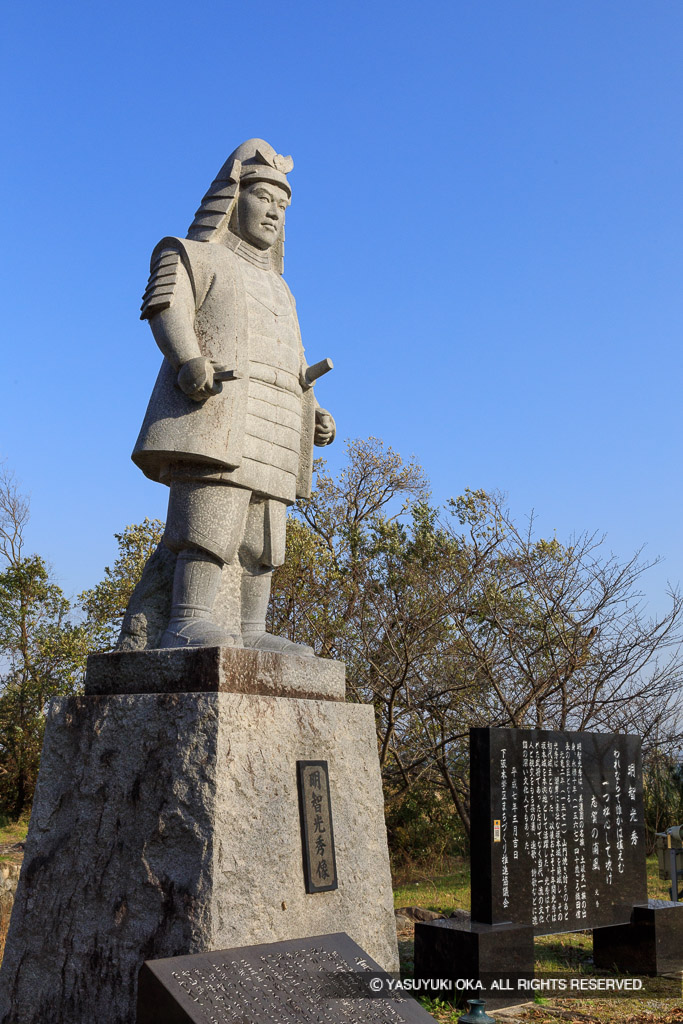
(215,670)
(651,944)
(168,823)
(497,955)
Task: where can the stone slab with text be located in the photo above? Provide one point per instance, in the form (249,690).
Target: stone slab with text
(321,978)
(558,834)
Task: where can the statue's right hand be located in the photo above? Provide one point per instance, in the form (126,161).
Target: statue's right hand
(196,379)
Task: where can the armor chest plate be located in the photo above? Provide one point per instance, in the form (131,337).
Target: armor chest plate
(273,424)
(273,337)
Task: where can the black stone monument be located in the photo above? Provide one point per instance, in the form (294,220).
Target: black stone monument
(557,845)
(558,830)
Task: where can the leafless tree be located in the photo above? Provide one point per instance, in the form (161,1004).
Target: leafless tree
(459,618)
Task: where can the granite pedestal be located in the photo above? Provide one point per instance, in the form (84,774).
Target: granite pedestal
(167,823)
(651,944)
(459,952)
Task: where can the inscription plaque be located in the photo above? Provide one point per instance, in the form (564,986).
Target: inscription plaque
(558,832)
(317,833)
(300,981)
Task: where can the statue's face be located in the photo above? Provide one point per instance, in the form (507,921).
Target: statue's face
(261,211)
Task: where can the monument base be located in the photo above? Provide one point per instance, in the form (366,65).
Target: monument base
(651,944)
(497,955)
(169,823)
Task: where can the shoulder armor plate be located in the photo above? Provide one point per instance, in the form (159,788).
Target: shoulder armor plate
(162,282)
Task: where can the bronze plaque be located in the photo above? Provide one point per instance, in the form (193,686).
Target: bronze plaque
(317,834)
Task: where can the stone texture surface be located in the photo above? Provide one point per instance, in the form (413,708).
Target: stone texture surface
(166,824)
(149,608)
(652,943)
(233,315)
(215,669)
(232,419)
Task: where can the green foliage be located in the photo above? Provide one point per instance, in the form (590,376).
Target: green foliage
(105,604)
(335,541)
(42,653)
(39,642)
(442,1010)
(428,887)
(43,650)
(422,828)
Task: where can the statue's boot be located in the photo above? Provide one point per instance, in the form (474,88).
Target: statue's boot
(195,585)
(255,596)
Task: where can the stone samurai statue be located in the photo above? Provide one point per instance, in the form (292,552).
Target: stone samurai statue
(232,419)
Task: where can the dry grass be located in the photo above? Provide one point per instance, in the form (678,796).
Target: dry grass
(443,893)
(13,831)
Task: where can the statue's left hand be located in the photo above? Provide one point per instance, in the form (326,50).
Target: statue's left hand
(325,428)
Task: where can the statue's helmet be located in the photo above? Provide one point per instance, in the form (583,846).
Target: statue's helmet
(255,160)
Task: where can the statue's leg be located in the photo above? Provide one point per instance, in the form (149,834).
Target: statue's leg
(149,606)
(205,523)
(263,548)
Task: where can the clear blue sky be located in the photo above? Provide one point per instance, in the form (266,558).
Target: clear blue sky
(485,237)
